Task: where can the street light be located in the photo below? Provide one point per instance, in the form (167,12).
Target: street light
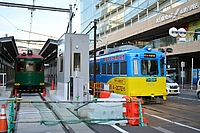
(182,33)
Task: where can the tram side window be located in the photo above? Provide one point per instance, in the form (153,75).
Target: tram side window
(162,67)
(91,68)
(104,68)
(39,67)
(116,68)
(29,66)
(135,67)
(123,68)
(109,68)
(97,68)
(20,67)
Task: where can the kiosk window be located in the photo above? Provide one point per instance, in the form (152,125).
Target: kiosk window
(77,61)
(61,63)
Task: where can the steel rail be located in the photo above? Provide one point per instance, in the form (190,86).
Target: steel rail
(64,127)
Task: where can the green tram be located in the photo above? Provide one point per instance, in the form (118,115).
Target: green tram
(29,73)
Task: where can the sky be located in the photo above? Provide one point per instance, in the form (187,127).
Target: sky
(48,24)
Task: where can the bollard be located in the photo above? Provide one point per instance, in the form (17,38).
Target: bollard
(134,111)
(52,85)
(44,92)
(3,120)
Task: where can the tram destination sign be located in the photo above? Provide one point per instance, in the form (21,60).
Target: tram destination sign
(149,55)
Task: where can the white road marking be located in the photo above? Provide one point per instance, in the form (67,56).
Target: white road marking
(163,130)
(183,125)
(119,129)
(191,99)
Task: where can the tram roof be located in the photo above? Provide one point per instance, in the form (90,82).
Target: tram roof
(9,49)
(141,50)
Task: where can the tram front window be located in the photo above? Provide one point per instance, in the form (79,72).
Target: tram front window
(149,67)
(29,66)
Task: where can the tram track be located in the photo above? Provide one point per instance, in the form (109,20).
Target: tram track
(64,127)
(174,110)
(57,116)
(180,107)
(175,116)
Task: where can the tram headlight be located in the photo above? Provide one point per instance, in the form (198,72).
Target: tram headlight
(41,83)
(17,84)
(149,48)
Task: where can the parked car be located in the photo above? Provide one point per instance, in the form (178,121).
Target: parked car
(171,86)
(198,89)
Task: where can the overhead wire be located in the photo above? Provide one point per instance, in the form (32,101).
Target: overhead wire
(33,7)
(8,21)
(86,27)
(26,30)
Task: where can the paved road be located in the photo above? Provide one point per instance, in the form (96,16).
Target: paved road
(180,113)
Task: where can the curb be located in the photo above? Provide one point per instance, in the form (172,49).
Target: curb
(188,89)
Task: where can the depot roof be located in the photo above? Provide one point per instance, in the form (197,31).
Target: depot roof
(49,50)
(8,48)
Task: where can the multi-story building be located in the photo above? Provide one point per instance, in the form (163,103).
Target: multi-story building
(141,22)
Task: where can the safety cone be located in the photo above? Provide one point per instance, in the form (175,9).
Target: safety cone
(3,120)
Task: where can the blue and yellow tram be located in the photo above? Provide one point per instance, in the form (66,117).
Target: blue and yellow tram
(131,71)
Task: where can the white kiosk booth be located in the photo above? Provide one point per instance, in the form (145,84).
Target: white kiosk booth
(73,67)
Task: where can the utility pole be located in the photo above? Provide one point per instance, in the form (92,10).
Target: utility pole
(70,18)
(95,28)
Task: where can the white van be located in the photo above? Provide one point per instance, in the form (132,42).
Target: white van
(171,86)
(198,89)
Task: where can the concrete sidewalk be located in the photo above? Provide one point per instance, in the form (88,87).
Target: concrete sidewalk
(188,87)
